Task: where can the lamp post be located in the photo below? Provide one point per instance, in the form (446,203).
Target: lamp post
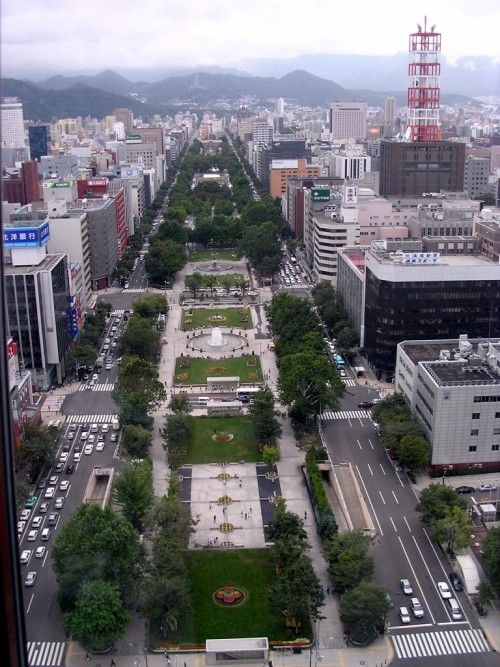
(445,470)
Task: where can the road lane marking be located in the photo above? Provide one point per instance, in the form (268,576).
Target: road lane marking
(407,523)
(395,497)
(428,572)
(382,469)
(369,468)
(371,444)
(380,492)
(359,444)
(393,524)
(370,501)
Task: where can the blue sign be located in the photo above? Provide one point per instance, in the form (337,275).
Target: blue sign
(26,237)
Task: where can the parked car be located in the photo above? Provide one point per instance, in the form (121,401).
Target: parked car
(444,590)
(100,446)
(455,581)
(365,404)
(406,586)
(88,449)
(465,489)
(488,487)
(113,437)
(480,608)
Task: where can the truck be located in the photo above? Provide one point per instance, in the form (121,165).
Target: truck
(115,424)
(99,361)
(468,573)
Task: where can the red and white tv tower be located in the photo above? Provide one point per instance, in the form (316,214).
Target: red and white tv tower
(424,71)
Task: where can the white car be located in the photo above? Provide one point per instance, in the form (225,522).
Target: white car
(21,525)
(64,485)
(37,522)
(40,552)
(25,515)
(91,439)
(30,579)
(406,586)
(418,610)
(404,614)
(84,435)
(25,556)
(88,449)
(444,589)
(488,487)
(32,535)
(59,503)
(108,367)
(100,446)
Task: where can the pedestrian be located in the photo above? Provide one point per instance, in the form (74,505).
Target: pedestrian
(87,657)
(246,515)
(209,506)
(328,590)
(215,518)
(112,663)
(305,515)
(250,509)
(240,483)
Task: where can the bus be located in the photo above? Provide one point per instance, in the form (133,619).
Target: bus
(339,361)
(246,394)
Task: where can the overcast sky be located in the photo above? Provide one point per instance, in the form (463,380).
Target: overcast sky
(92,35)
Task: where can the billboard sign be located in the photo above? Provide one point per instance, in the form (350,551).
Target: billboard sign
(420,257)
(58,184)
(26,237)
(320,194)
(350,194)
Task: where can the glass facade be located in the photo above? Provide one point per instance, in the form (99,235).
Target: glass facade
(395,312)
(39,140)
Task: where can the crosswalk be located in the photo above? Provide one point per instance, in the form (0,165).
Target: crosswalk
(442,642)
(348,382)
(135,290)
(118,313)
(90,419)
(45,654)
(99,386)
(346,414)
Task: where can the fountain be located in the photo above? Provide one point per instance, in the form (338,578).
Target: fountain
(216,339)
(214,266)
(216,342)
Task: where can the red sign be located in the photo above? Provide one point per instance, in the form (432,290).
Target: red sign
(97,182)
(11,349)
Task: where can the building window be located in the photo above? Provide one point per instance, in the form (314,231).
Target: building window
(476,415)
(472,448)
(495,448)
(496,431)
(474,431)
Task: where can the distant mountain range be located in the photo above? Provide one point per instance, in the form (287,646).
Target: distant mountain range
(97,95)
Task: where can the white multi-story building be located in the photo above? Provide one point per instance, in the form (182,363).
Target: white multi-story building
(348,120)
(350,164)
(12,123)
(453,388)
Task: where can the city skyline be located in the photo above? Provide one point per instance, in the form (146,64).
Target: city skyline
(91,37)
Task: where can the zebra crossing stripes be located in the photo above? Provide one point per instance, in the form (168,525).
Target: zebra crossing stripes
(442,642)
(118,313)
(90,419)
(348,382)
(45,654)
(135,290)
(100,386)
(346,414)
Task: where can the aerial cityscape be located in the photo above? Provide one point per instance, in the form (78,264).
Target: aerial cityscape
(252,334)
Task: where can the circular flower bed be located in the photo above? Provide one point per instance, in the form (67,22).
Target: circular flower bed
(216,318)
(223,476)
(225,500)
(217,370)
(183,376)
(222,436)
(229,596)
(253,375)
(226,527)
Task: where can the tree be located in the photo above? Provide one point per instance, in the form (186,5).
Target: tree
(164,259)
(436,500)
(203,231)
(95,544)
(176,433)
(346,340)
(308,384)
(180,403)
(413,451)
(210,283)
(138,384)
(270,455)
(140,339)
(485,592)
(364,605)
(349,562)
(491,557)
(328,526)
(194,282)
(136,441)
(265,426)
(453,528)
(150,306)
(287,532)
(133,490)
(99,617)
(37,449)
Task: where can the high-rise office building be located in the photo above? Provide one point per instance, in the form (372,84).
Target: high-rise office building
(12,125)
(125,116)
(389,116)
(39,141)
(348,120)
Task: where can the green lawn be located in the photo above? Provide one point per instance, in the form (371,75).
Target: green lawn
(225,253)
(202,448)
(191,370)
(248,569)
(197,318)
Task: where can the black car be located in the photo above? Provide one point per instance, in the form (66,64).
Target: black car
(365,404)
(480,608)
(70,469)
(455,581)
(465,489)
(66,446)
(78,447)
